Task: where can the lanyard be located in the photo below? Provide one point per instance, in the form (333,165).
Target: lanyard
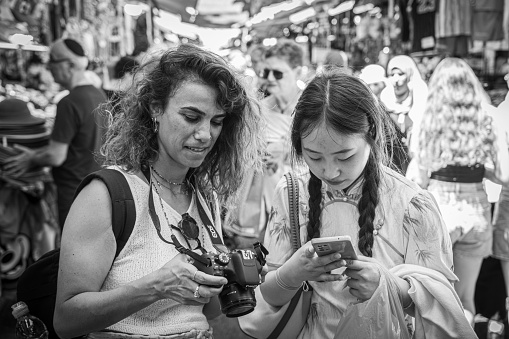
(209,226)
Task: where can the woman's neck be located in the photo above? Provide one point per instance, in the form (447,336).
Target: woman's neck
(168,173)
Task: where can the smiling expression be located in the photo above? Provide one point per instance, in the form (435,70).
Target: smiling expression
(189,127)
(335,158)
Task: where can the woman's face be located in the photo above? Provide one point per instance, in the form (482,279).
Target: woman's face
(399,80)
(287,85)
(189,126)
(335,158)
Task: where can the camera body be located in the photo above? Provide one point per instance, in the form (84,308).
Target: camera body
(242,268)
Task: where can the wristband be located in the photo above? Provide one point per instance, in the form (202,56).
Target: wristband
(284,285)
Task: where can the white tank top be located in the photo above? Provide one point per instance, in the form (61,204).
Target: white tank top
(144,253)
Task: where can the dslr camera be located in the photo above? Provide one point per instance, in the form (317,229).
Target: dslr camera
(242,268)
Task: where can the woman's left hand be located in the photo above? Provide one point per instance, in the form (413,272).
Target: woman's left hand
(364,277)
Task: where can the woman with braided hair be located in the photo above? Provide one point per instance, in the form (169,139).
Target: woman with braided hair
(341,131)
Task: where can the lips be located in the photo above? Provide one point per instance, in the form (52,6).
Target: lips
(197,149)
(335,183)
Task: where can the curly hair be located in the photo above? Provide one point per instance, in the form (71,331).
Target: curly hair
(131,141)
(345,104)
(287,50)
(455,129)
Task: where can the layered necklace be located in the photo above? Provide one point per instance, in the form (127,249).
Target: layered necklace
(174,187)
(185,232)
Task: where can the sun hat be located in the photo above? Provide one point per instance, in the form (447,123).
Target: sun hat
(372,74)
(15,112)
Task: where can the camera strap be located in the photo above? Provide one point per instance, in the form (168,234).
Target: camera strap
(209,226)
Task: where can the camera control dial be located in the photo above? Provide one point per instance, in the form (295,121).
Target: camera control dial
(222,259)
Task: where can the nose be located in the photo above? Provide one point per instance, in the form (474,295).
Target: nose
(203,133)
(331,171)
(271,76)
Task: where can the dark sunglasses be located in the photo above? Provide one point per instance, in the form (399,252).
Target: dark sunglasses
(188,227)
(278,75)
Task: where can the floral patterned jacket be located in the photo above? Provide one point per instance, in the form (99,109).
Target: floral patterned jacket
(408,230)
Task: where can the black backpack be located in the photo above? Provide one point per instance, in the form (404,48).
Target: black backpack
(37,286)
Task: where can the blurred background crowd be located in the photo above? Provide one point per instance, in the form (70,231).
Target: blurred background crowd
(395,46)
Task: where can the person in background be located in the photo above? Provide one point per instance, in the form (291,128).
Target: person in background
(501,214)
(279,70)
(410,97)
(337,58)
(374,76)
(28,210)
(341,132)
(123,76)
(461,143)
(78,129)
(187,135)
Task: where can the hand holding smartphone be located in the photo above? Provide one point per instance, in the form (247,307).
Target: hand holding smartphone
(328,245)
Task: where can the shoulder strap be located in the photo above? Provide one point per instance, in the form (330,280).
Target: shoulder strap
(122,203)
(293,200)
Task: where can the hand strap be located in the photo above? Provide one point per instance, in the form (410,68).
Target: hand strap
(293,200)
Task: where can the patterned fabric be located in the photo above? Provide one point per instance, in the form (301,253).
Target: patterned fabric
(144,253)
(454,18)
(409,226)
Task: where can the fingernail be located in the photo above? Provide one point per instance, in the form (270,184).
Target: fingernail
(337,256)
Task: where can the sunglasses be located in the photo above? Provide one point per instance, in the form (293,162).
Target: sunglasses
(278,75)
(188,227)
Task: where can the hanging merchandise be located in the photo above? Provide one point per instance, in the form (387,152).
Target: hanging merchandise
(453,27)
(422,17)
(487,20)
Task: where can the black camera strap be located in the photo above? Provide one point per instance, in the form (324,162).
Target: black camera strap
(209,226)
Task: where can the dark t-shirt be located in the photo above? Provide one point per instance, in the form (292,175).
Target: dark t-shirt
(79,125)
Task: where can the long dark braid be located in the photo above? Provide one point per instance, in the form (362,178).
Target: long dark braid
(367,205)
(315,206)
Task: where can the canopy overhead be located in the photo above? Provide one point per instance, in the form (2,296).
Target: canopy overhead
(206,13)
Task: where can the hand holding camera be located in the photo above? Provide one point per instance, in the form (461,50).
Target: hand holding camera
(242,269)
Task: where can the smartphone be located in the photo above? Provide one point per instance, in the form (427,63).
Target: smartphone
(341,244)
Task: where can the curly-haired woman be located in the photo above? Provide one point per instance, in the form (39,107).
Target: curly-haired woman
(185,134)
(459,145)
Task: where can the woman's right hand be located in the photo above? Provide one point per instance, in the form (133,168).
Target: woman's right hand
(179,280)
(306,265)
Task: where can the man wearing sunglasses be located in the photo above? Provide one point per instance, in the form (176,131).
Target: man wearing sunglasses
(77,130)
(279,71)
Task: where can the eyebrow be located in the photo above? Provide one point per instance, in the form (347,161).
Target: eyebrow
(338,152)
(200,112)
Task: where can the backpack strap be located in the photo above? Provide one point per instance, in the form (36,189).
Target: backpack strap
(123,209)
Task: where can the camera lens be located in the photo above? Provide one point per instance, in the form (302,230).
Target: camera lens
(236,300)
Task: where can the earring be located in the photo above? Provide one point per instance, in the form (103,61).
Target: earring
(156,125)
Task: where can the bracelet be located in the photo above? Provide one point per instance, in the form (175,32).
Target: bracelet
(284,285)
